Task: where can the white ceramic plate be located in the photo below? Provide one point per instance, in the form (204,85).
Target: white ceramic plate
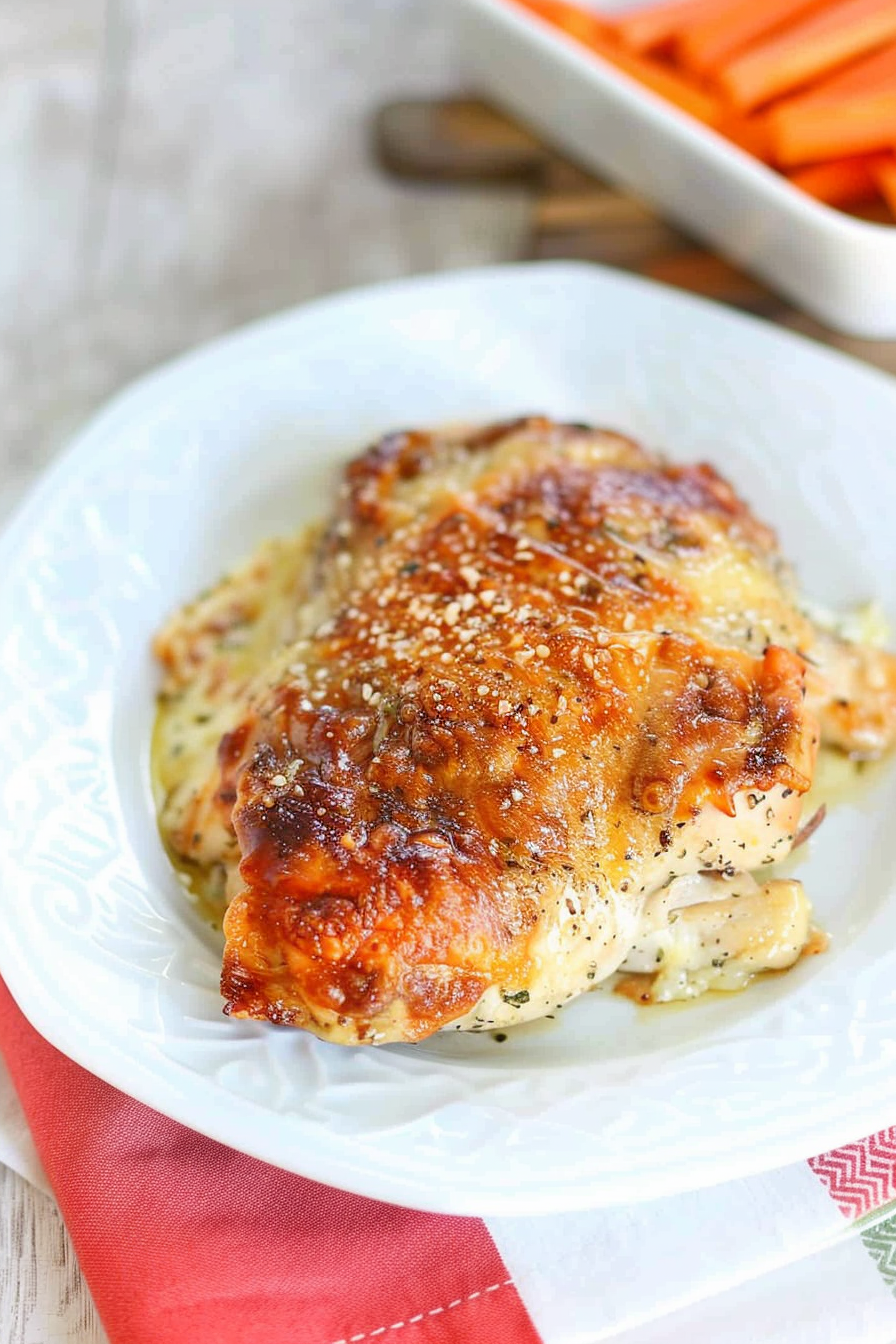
(186,472)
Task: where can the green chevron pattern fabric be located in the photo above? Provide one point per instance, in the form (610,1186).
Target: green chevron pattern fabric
(880,1243)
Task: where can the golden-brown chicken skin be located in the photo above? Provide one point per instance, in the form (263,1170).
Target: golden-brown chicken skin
(536,703)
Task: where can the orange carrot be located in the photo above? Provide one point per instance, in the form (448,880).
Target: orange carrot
(833,130)
(841,181)
(885,177)
(872,74)
(667,83)
(822,42)
(652,26)
(663,80)
(751,134)
(704,45)
(572,19)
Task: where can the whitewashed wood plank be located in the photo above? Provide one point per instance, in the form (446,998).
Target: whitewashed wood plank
(43,1298)
(242,184)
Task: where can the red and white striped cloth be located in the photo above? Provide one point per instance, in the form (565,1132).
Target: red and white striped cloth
(182,1239)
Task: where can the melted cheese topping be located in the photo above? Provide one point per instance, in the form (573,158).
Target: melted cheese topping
(446,763)
(213,652)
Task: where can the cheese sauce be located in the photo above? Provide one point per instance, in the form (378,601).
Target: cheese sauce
(234,629)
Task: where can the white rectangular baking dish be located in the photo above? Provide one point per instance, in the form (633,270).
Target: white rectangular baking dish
(840,269)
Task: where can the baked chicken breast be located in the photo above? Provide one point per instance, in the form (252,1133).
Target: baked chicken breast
(534,706)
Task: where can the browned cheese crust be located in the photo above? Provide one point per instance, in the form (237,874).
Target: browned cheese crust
(528,661)
(519,673)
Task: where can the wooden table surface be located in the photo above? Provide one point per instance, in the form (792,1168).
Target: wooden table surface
(170,170)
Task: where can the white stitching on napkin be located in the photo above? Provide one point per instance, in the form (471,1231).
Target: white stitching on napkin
(436,1311)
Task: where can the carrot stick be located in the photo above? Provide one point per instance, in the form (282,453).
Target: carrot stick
(651,26)
(842,181)
(667,83)
(705,45)
(822,42)
(751,134)
(833,130)
(872,74)
(572,19)
(885,177)
(588,30)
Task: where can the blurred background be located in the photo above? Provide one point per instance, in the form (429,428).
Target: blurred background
(172,168)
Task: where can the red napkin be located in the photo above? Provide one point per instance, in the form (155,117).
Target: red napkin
(181,1239)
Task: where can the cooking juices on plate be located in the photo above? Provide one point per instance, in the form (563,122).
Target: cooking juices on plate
(532,707)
